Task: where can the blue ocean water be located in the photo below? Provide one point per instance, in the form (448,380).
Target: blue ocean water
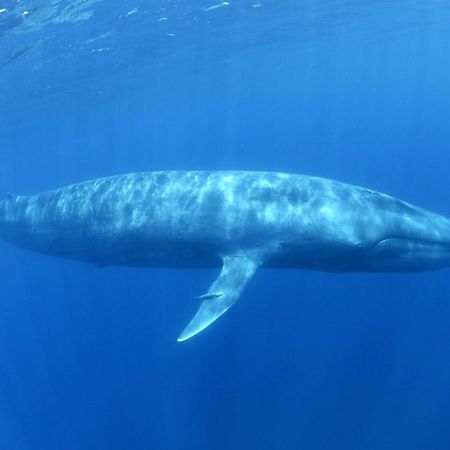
(352,90)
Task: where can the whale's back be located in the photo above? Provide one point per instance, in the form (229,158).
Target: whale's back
(160,218)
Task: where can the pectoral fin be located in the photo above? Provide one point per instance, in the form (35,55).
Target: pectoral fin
(236,272)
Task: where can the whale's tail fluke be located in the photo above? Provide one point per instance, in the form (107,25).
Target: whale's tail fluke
(5,200)
(3,203)
(7,205)
(237,271)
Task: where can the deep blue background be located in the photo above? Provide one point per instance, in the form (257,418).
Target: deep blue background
(351,90)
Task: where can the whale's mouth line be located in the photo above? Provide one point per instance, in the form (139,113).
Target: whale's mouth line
(399,239)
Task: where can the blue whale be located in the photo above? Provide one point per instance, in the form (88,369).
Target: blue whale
(234,220)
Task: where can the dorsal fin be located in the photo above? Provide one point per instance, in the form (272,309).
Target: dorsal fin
(236,272)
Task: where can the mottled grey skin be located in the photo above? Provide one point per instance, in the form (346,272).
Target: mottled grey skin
(197,219)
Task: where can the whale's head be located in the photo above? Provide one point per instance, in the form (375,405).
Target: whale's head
(414,239)
(403,254)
